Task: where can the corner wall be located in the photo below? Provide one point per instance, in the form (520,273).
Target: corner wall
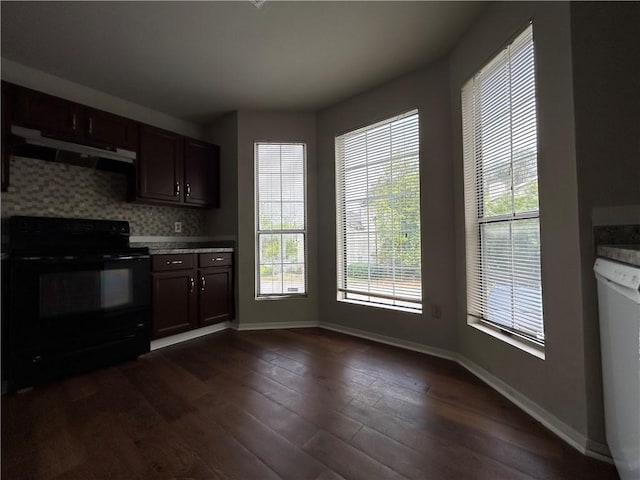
(427,90)
(606,94)
(222,222)
(274,127)
(558,383)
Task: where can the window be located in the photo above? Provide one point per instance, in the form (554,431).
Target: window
(281,219)
(378,214)
(502,219)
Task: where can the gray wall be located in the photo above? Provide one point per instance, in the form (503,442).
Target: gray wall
(606,92)
(557,383)
(274,127)
(427,90)
(223,222)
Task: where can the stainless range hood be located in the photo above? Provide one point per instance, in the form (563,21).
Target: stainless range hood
(36,145)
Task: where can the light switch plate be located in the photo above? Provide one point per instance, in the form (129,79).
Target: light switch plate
(177,227)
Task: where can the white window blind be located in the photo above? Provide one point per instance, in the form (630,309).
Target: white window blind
(280,170)
(378,214)
(501,192)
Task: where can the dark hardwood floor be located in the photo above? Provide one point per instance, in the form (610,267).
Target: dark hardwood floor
(280,404)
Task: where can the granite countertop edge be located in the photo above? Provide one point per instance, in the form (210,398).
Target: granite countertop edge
(168,248)
(622,253)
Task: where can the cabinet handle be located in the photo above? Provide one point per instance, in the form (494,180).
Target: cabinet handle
(192,284)
(73,122)
(217,259)
(177,189)
(174,262)
(90,125)
(202,282)
(188,189)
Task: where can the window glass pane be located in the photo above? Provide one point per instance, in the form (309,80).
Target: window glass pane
(293,215)
(270,215)
(270,249)
(378,200)
(504,284)
(280,219)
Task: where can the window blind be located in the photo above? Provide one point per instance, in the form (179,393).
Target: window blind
(280,171)
(378,213)
(501,192)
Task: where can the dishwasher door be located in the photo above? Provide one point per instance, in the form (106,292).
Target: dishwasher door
(619,308)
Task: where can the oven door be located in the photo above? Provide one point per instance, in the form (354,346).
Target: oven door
(69,310)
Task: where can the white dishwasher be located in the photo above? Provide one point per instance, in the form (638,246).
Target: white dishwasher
(619,307)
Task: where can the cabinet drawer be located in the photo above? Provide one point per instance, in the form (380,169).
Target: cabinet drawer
(215,259)
(179,261)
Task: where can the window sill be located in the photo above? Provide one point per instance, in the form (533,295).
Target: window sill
(280,297)
(513,340)
(381,305)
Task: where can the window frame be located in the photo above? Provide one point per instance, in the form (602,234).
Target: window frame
(258,232)
(378,300)
(476,218)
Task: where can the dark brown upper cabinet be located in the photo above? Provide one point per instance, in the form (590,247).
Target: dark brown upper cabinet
(170,169)
(177,170)
(61,118)
(108,129)
(160,166)
(201,173)
(52,115)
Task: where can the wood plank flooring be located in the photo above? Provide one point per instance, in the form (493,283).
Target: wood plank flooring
(280,404)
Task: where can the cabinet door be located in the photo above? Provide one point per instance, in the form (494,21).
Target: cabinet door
(174,302)
(202,178)
(159,165)
(52,115)
(216,295)
(108,129)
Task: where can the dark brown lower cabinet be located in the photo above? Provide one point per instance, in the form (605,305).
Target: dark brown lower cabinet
(186,296)
(175,306)
(216,295)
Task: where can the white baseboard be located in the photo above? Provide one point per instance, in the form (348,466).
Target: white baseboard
(190,335)
(574,438)
(416,347)
(273,325)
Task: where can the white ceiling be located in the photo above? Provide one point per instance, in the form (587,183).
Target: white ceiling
(196,60)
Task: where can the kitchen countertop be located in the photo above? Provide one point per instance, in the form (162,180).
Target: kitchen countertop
(622,253)
(165,248)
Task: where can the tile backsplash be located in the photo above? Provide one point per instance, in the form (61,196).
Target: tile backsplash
(617,235)
(51,189)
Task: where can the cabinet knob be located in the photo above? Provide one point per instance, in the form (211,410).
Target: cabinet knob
(202,283)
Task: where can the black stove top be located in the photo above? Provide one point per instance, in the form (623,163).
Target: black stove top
(55,236)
